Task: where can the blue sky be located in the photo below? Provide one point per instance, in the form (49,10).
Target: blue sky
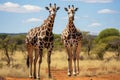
(19,16)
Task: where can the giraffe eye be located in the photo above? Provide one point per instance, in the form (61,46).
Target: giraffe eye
(53,9)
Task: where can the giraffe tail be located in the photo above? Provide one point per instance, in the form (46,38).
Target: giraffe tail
(27,62)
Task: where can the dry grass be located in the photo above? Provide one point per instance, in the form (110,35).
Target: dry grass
(59,61)
(96,67)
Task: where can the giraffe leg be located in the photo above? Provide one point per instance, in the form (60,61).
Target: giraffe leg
(49,61)
(78,52)
(69,61)
(74,60)
(35,61)
(30,57)
(78,70)
(40,61)
(70,65)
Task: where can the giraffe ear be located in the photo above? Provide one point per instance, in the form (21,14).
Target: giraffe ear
(66,9)
(76,9)
(47,8)
(58,8)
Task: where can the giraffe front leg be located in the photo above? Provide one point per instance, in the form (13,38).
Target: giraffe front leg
(35,61)
(74,68)
(34,74)
(30,69)
(40,61)
(69,66)
(78,52)
(49,62)
(69,61)
(78,70)
(30,60)
(74,60)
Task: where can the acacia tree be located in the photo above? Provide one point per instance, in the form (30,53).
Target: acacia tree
(8,44)
(107,33)
(12,45)
(4,41)
(115,44)
(107,37)
(87,42)
(99,50)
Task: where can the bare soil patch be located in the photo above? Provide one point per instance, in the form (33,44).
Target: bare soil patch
(61,74)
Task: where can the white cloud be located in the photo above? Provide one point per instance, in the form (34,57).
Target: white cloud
(10,4)
(16,8)
(93,1)
(32,20)
(97,1)
(95,24)
(31,8)
(107,11)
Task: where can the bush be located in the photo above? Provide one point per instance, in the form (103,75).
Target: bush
(57,42)
(108,39)
(99,50)
(108,32)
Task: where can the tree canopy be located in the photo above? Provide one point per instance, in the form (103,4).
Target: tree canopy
(108,32)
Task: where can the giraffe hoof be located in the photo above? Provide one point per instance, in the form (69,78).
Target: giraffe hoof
(69,74)
(74,73)
(35,77)
(38,77)
(30,76)
(77,73)
(49,76)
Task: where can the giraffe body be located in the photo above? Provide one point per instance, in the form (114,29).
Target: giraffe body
(71,39)
(39,38)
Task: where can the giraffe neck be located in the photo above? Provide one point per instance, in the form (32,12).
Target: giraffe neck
(50,22)
(71,25)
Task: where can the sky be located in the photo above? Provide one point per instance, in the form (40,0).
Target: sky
(19,16)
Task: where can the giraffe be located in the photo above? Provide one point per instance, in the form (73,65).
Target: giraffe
(71,38)
(39,38)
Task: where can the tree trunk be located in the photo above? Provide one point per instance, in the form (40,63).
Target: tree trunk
(8,57)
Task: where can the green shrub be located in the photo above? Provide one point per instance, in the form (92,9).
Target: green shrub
(99,50)
(107,32)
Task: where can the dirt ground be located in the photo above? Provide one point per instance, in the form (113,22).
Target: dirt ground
(62,75)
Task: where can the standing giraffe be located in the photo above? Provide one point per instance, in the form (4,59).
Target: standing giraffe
(71,38)
(39,38)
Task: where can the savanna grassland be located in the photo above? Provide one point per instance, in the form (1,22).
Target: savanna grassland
(88,68)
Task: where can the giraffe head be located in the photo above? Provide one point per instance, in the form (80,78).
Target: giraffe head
(71,11)
(52,9)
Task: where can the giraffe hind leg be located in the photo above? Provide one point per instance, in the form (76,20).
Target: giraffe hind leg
(30,59)
(35,62)
(78,69)
(78,52)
